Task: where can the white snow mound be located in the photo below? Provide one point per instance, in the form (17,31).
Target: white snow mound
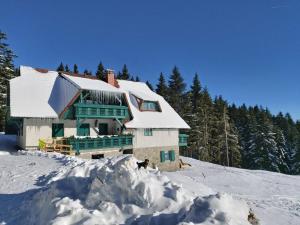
(114,191)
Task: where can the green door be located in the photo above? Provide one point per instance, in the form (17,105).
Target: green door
(57,130)
(103,129)
(84,130)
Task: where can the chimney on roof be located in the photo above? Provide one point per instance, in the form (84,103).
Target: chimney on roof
(110,78)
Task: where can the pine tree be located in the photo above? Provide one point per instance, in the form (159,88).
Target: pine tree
(195,89)
(132,78)
(176,91)
(149,85)
(60,67)
(161,87)
(75,69)
(86,72)
(100,73)
(125,74)
(67,68)
(7,72)
(262,149)
(225,148)
(137,79)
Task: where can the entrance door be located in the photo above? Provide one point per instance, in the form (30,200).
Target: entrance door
(103,129)
(84,130)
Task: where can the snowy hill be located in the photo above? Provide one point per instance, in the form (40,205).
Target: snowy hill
(40,188)
(274,197)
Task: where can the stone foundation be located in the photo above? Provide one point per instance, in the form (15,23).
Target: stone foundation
(107,153)
(153,154)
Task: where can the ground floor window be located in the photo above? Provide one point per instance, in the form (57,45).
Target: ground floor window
(167,156)
(57,130)
(97,156)
(84,130)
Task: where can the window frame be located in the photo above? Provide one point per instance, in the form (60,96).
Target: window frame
(54,134)
(89,130)
(148,132)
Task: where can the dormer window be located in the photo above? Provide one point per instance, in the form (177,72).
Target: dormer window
(149,106)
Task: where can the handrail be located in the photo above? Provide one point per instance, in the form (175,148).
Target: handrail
(86,110)
(88,143)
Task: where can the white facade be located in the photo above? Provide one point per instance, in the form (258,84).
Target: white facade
(35,129)
(160,137)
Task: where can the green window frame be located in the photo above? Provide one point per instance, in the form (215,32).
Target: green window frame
(162,156)
(148,132)
(167,156)
(172,155)
(84,129)
(57,130)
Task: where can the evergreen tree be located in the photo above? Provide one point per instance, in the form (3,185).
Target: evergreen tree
(7,72)
(176,91)
(161,87)
(298,125)
(67,68)
(262,148)
(137,79)
(195,89)
(86,72)
(225,148)
(124,75)
(60,67)
(132,78)
(149,85)
(75,69)
(100,73)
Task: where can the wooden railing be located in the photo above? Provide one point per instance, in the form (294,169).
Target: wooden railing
(53,145)
(118,141)
(85,110)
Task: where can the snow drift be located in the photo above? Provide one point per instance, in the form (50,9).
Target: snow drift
(114,191)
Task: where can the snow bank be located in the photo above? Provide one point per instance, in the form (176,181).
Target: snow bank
(2,153)
(114,191)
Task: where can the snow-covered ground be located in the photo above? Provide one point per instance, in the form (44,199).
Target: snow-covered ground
(274,197)
(39,188)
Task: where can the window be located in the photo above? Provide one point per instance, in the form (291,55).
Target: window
(148,132)
(57,130)
(84,130)
(149,106)
(167,155)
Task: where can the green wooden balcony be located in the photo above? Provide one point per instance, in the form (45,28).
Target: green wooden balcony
(117,141)
(84,110)
(183,140)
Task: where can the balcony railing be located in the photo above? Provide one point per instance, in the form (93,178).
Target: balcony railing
(118,141)
(83,110)
(183,139)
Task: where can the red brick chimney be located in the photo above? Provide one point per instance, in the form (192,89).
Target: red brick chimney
(110,78)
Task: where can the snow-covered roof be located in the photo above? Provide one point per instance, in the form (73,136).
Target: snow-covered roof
(167,118)
(45,94)
(30,93)
(91,84)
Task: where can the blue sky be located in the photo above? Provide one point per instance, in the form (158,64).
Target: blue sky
(246,51)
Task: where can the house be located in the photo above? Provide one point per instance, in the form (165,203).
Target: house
(95,117)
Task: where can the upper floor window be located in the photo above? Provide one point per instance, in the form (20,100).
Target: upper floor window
(149,106)
(148,132)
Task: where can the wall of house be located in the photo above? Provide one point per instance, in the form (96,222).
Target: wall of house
(153,155)
(160,137)
(36,128)
(150,147)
